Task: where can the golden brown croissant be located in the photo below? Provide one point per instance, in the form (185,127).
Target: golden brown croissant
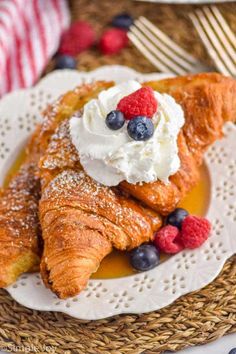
(82,220)
(208,101)
(19,224)
(79,217)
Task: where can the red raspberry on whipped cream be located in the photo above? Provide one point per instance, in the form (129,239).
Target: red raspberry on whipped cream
(139,103)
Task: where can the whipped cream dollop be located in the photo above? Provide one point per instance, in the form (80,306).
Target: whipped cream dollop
(111,156)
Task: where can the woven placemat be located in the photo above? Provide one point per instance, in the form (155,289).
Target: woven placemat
(172,19)
(194,319)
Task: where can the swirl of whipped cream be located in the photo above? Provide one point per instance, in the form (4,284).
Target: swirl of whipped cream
(111,156)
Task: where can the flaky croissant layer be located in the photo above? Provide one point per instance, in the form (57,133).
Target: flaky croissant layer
(82,222)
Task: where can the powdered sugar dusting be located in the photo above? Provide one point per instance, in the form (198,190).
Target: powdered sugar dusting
(19,222)
(77,190)
(60,152)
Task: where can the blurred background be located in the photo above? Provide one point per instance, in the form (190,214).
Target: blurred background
(34,34)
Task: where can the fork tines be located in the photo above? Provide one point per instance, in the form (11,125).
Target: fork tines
(219,40)
(160,50)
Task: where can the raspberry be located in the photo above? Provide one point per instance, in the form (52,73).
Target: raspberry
(195,231)
(113,40)
(168,240)
(79,37)
(139,103)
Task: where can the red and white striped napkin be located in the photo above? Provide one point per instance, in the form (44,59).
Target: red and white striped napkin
(30,32)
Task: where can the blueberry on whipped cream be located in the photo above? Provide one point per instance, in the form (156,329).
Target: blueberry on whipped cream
(111,156)
(140,128)
(115,120)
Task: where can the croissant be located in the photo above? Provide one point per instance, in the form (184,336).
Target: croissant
(82,220)
(208,101)
(19,225)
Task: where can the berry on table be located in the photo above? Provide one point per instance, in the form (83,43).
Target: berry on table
(79,37)
(115,120)
(232,351)
(139,103)
(113,40)
(176,217)
(144,257)
(140,128)
(167,239)
(195,231)
(65,62)
(123,20)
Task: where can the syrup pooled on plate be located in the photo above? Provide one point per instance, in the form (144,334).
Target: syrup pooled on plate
(15,167)
(116,264)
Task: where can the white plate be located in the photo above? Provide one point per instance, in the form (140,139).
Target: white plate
(143,292)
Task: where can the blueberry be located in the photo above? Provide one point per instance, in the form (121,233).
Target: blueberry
(144,257)
(232,351)
(115,120)
(140,128)
(122,20)
(176,217)
(65,62)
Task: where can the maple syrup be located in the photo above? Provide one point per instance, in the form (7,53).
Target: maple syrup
(14,167)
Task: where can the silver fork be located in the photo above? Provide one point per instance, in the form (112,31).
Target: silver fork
(160,50)
(219,40)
